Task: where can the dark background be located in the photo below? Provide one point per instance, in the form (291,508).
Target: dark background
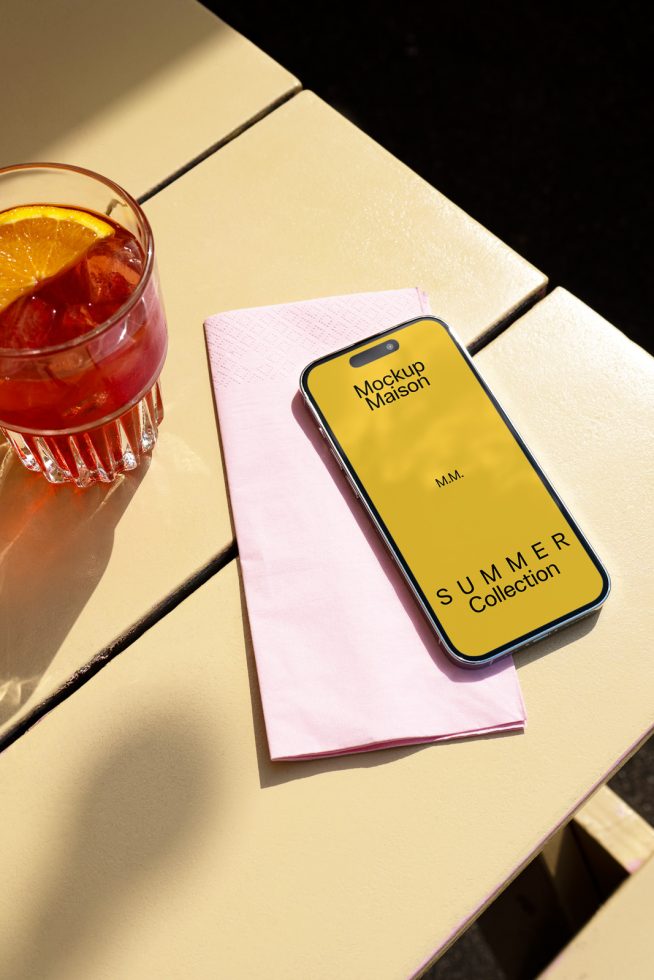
(533,122)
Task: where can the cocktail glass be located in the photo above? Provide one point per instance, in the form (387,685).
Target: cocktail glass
(85,407)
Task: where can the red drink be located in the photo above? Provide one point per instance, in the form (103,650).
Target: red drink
(81,351)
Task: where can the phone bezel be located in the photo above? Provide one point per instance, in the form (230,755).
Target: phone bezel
(461,658)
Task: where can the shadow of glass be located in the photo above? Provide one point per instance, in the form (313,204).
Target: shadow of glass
(143,799)
(55,546)
(89,55)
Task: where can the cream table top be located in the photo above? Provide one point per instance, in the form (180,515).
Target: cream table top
(301,204)
(146,834)
(134,89)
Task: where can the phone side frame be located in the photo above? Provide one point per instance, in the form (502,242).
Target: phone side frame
(361,493)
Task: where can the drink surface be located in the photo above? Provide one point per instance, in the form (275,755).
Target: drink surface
(99,371)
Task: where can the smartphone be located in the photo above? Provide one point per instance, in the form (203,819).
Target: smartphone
(485,543)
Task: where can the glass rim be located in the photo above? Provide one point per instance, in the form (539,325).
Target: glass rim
(132,299)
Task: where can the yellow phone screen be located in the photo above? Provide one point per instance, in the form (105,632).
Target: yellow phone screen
(485,542)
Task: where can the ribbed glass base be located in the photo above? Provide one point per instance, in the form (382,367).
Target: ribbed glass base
(97,455)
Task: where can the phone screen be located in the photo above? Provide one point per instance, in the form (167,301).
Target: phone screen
(488,547)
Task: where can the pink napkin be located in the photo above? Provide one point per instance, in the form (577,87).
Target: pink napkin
(345,659)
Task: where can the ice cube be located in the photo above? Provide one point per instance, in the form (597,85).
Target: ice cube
(75,320)
(112,269)
(131,255)
(27,323)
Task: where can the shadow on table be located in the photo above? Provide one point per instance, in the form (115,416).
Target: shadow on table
(89,55)
(557,642)
(128,817)
(55,546)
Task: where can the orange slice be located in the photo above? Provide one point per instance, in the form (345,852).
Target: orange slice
(39,241)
